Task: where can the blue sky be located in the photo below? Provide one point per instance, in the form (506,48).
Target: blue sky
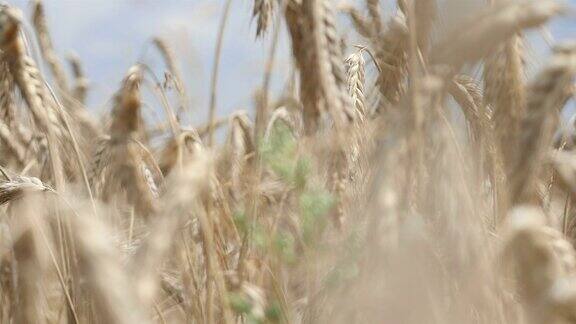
(110,35)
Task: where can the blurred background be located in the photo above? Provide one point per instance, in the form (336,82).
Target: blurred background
(111,35)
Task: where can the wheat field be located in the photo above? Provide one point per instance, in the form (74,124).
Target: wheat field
(415,174)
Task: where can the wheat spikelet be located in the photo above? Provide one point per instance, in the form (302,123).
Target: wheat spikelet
(336,59)
(331,216)
(109,284)
(170,60)
(470,105)
(309,94)
(374,12)
(186,185)
(504,84)
(391,47)
(35,92)
(482,33)
(14,148)
(17,187)
(49,116)
(238,153)
(25,73)
(121,161)
(80,89)
(7,106)
(10,136)
(29,251)
(179,149)
(546,96)
(280,115)
(46,47)
(564,164)
(30,308)
(262,11)
(425,12)
(355,62)
(362,25)
(316,47)
(542,260)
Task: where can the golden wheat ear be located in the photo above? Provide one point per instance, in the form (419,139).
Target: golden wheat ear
(46,47)
(174,71)
(280,116)
(391,55)
(262,11)
(25,72)
(81,82)
(468,95)
(355,71)
(110,286)
(238,151)
(185,187)
(316,48)
(11,135)
(541,260)
(361,24)
(121,161)
(505,91)
(479,35)
(126,119)
(17,187)
(546,97)
(186,145)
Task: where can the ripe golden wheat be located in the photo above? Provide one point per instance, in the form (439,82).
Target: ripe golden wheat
(410,172)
